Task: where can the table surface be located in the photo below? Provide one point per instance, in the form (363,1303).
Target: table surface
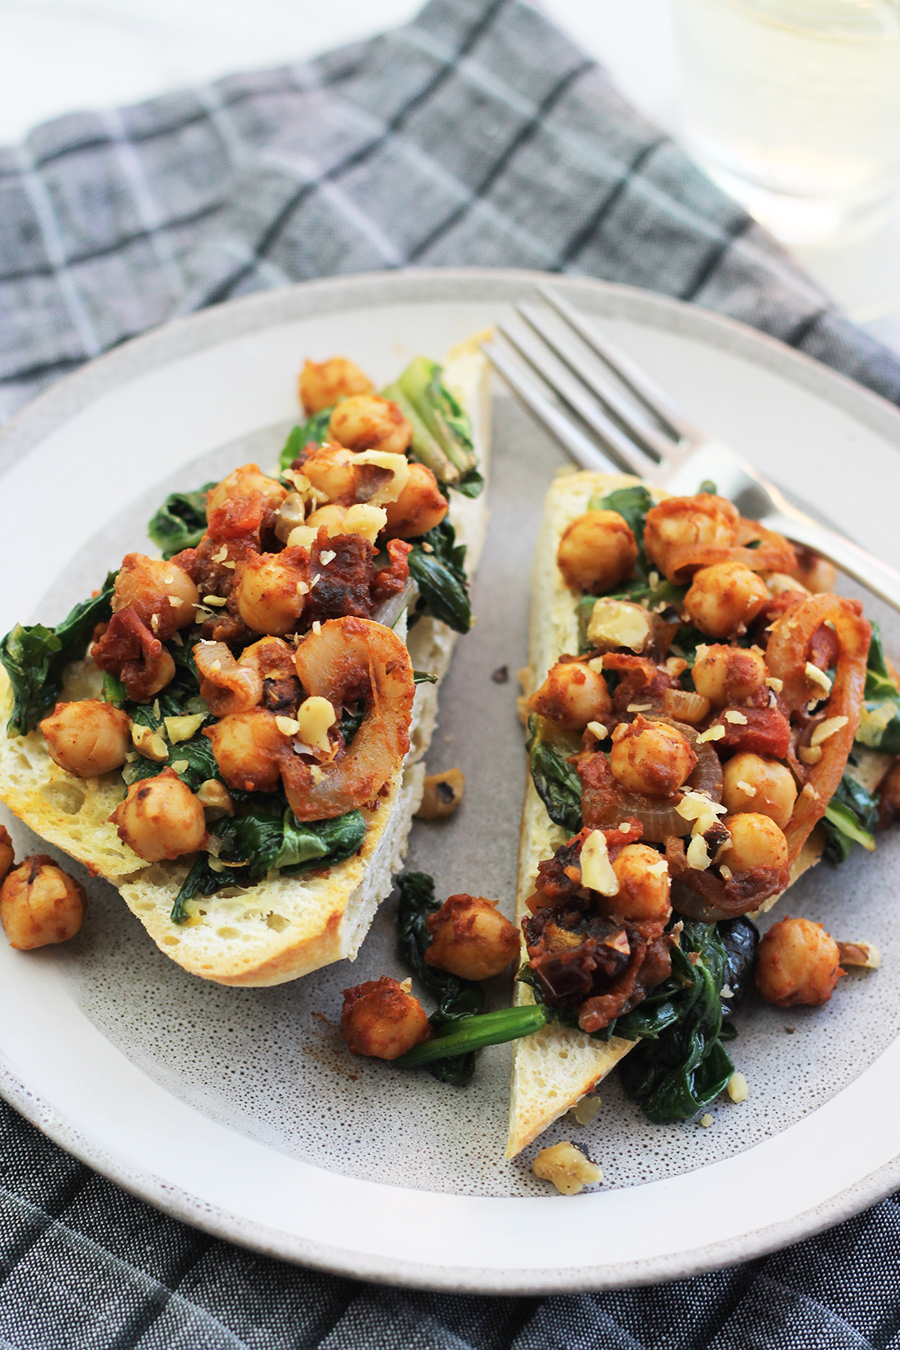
(61,55)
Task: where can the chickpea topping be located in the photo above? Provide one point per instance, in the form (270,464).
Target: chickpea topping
(40,904)
(330,471)
(815,573)
(442,795)
(797,962)
(324,383)
(419,508)
(702,521)
(7,856)
(240,483)
(362,519)
(763,785)
(644,883)
(471,938)
(572,695)
(650,757)
(160,593)
(161,818)
(247,747)
(756,841)
(369,422)
(724,598)
(567,1167)
(727,675)
(266,595)
(382,1019)
(87,738)
(597,551)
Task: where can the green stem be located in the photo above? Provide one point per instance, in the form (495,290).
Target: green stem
(425,447)
(471,1033)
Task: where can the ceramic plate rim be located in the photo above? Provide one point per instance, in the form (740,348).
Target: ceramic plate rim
(306,299)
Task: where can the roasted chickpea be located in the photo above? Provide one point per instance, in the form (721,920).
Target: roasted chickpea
(161,818)
(682,523)
(756,841)
(728,675)
(87,738)
(763,785)
(650,757)
(266,591)
(572,695)
(597,551)
(382,1019)
(324,383)
(369,422)
(247,747)
(797,962)
(244,482)
(470,938)
(40,904)
(724,598)
(7,857)
(420,506)
(332,472)
(644,884)
(161,594)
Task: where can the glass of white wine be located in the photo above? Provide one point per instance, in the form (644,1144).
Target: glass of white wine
(793,106)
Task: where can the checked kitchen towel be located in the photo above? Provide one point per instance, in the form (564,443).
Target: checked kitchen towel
(476,135)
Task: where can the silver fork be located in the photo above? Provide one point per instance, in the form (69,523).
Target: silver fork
(665,449)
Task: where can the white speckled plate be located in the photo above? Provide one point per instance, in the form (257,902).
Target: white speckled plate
(239,1110)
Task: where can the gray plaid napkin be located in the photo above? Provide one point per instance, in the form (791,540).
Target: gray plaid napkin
(477,135)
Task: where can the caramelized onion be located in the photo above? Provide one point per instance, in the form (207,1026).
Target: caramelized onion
(227,686)
(709,898)
(787,655)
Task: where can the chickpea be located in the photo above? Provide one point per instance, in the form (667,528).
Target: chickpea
(420,506)
(644,884)
(40,904)
(332,472)
(7,856)
(650,757)
(679,523)
(324,383)
(266,594)
(759,785)
(728,675)
(572,695)
(470,938)
(756,841)
(597,551)
(247,747)
(243,482)
(161,594)
(87,738)
(370,422)
(724,598)
(797,962)
(161,818)
(380,1018)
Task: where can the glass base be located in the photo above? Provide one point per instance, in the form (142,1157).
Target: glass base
(805,220)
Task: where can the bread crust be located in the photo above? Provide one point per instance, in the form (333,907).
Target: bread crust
(285,926)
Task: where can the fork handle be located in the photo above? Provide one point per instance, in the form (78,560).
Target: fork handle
(883,580)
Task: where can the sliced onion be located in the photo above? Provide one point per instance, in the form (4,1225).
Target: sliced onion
(227,686)
(709,898)
(786,658)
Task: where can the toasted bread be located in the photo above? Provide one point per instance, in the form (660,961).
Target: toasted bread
(284,926)
(557,1066)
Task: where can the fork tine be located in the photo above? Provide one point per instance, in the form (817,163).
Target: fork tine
(657,445)
(562,428)
(655,399)
(554,374)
